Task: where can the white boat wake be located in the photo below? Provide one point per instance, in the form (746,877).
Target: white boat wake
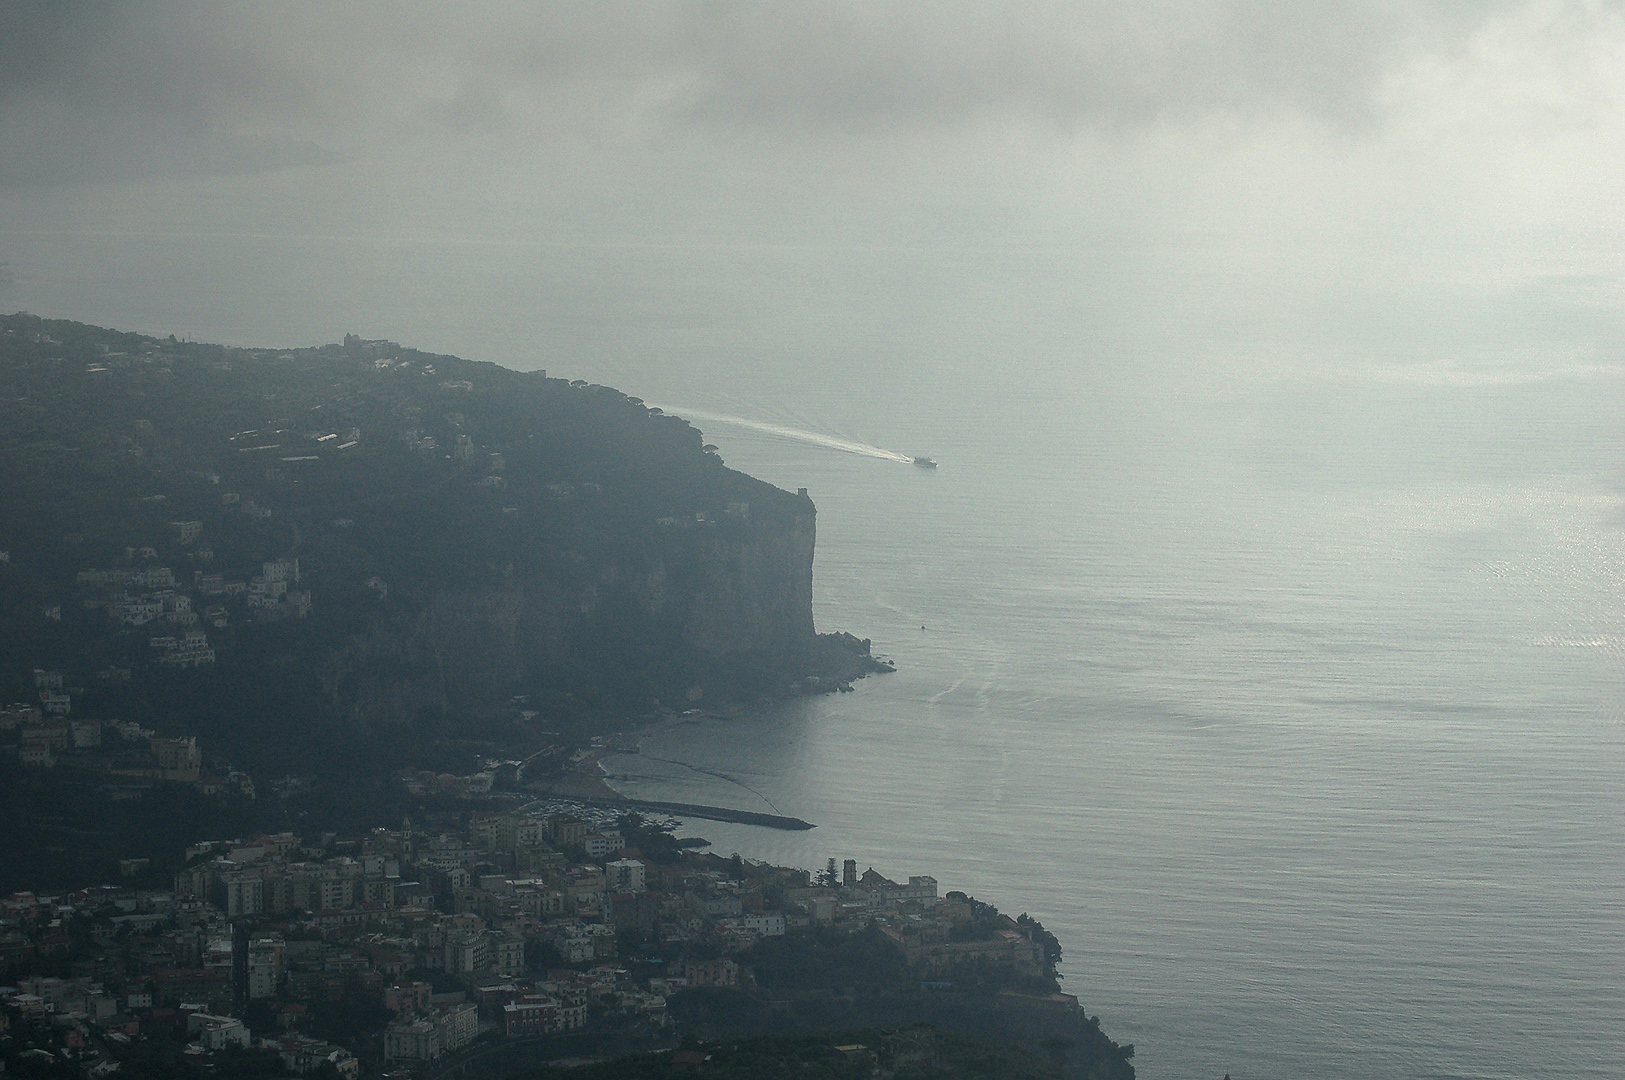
(848,446)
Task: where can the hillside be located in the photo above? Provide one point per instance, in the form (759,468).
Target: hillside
(364,556)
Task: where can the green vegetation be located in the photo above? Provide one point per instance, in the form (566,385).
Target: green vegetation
(385,559)
(464,533)
(828,959)
(654,840)
(62,829)
(830,978)
(356,574)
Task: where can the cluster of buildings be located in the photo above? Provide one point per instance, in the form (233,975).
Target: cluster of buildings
(500,925)
(85,1023)
(180,612)
(462,448)
(125,756)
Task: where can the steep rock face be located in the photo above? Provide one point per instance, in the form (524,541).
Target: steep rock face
(749,589)
(721,605)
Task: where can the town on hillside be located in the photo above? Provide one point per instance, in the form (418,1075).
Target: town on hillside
(403,947)
(122,758)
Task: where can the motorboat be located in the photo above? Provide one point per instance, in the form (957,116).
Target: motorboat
(925,462)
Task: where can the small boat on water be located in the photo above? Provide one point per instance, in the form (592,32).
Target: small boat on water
(925,463)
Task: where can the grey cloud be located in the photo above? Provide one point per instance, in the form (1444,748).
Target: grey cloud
(110,89)
(93,90)
(1052,64)
(839,65)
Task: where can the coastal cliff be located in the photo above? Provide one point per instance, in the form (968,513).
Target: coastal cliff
(697,611)
(290,551)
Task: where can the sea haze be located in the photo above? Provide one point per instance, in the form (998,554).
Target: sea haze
(1306,741)
(1262,631)
(1286,693)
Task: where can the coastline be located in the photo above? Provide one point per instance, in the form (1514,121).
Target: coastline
(584,782)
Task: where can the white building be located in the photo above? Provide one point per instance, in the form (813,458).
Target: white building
(580,943)
(461,1023)
(218,1032)
(467,952)
(240,892)
(599,844)
(625,876)
(264,968)
(411,1040)
(508,954)
(766,923)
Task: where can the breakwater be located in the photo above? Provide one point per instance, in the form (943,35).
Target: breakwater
(709,813)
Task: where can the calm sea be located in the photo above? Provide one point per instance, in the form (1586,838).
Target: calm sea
(1264,641)
(1305,735)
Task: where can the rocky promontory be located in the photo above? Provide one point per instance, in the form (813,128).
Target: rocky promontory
(361,554)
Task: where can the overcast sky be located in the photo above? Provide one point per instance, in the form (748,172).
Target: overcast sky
(92,90)
(1492,130)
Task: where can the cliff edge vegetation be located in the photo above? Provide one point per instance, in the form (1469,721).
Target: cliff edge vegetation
(363,557)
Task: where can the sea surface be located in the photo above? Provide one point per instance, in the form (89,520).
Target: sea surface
(1307,743)
(1261,633)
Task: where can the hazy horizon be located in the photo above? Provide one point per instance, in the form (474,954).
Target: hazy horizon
(1272,353)
(1337,162)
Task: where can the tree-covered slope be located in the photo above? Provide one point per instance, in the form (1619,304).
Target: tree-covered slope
(291,552)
